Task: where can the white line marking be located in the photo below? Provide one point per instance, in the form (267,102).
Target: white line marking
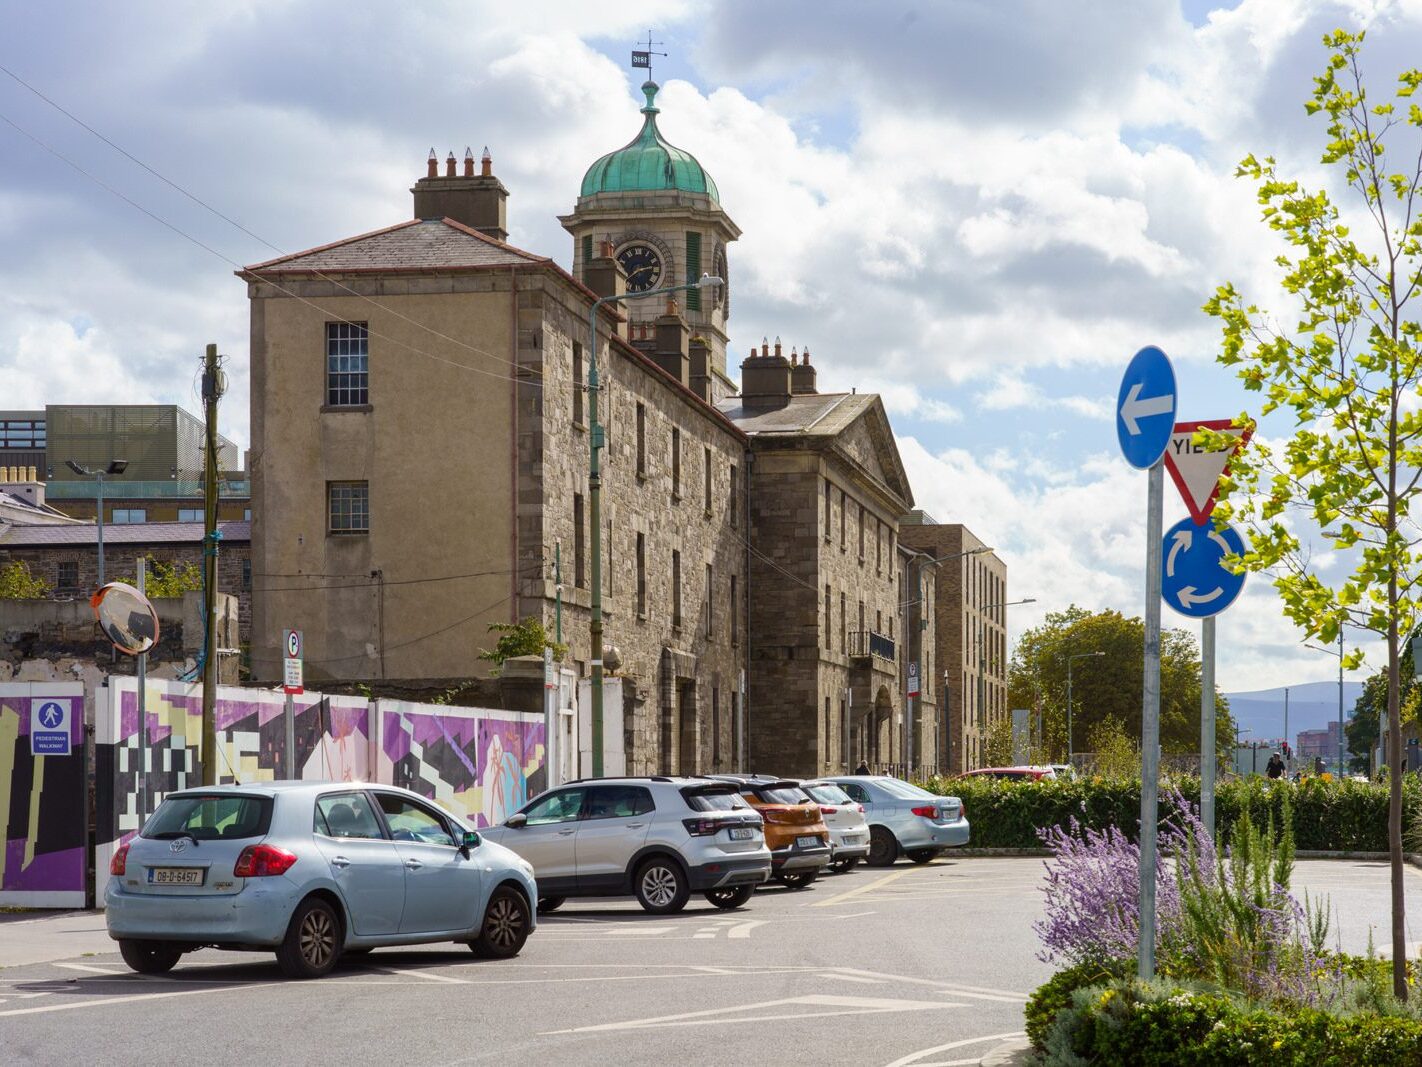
(744,929)
(717,1016)
(106,1001)
(980,996)
(852,978)
(92,970)
(913,1057)
(703,937)
(430,976)
(861,890)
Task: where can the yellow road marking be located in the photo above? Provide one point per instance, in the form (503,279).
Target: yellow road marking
(879,884)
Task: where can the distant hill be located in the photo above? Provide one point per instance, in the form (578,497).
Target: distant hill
(1312,706)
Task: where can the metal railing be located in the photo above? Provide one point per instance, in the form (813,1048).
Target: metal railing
(869,643)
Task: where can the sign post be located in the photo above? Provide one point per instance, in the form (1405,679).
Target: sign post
(550,715)
(291,677)
(1145,417)
(141,775)
(912,691)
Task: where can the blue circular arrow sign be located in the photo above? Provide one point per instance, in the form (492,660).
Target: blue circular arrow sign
(1193,581)
(1145,407)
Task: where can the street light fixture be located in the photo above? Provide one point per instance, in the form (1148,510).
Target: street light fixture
(115,467)
(1339,654)
(595,443)
(1079,655)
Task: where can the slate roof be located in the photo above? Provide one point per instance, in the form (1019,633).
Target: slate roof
(809,414)
(42,512)
(417,245)
(137,533)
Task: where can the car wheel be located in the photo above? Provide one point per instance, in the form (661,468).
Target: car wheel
(506,926)
(149,957)
(883,847)
(661,887)
(923,855)
(313,940)
(797,881)
(844,866)
(547,904)
(730,897)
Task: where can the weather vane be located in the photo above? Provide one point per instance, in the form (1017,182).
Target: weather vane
(644,58)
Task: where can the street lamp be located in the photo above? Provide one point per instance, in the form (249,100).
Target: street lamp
(982,664)
(595,442)
(1339,654)
(115,467)
(1079,655)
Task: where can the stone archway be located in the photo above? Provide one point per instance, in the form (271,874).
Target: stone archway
(879,725)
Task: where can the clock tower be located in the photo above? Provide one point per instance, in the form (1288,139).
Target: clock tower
(662,214)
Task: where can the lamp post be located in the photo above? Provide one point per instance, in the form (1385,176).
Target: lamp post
(1339,654)
(115,467)
(1079,655)
(982,664)
(595,442)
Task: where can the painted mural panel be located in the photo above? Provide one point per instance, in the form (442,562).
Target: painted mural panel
(43,795)
(482,763)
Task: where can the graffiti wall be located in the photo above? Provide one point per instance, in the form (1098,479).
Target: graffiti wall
(44,798)
(479,762)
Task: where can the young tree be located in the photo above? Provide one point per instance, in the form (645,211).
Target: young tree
(1348,371)
(526,638)
(17,583)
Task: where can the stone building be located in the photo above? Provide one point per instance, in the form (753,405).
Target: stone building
(971,640)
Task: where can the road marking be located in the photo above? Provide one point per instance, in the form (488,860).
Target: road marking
(92,970)
(431,976)
(945,986)
(981,996)
(861,890)
(852,978)
(743,930)
(105,1002)
(750,1013)
(915,1059)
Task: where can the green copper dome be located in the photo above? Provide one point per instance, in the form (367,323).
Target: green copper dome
(648,163)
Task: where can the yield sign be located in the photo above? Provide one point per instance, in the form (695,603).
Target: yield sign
(1197,471)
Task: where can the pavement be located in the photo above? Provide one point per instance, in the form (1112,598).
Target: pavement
(906,967)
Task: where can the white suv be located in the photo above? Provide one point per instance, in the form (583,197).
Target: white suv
(849,830)
(658,838)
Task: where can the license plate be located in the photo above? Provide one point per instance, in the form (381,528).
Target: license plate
(175,875)
(853,839)
(742,833)
(808,841)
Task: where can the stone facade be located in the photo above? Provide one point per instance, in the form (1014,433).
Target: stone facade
(971,637)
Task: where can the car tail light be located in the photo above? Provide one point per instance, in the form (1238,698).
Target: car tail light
(702,827)
(962,810)
(119,864)
(861,808)
(262,861)
(827,811)
(927,812)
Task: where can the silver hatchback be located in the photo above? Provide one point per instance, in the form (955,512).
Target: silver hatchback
(904,819)
(311,871)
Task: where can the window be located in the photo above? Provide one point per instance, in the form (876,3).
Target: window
(68,578)
(829,732)
(859,794)
(828,510)
(735,614)
(710,603)
(247,574)
(563,806)
(843,511)
(676,463)
(861,624)
(676,590)
(618,802)
(190,515)
(128,516)
(577,384)
(706,479)
(829,620)
(731,508)
(878,622)
(348,505)
(843,737)
(611,553)
(843,624)
(246,514)
(347,364)
(409,821)
(861,534)
(580,577)
(693,269)
(878,547)
(715,728)
(641,440)
(641,575)
(347,815)
(207,817)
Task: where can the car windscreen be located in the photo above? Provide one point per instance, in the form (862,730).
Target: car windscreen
(704,799)
(826,793)
(209,816)
(903,790)
(782,794)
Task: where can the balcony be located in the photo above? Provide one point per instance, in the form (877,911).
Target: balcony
(868,643)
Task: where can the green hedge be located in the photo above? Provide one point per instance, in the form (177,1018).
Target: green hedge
(1329,816)
(1159,1026)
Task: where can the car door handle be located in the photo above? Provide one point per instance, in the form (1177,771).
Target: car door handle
(635,825)
(413,864)
(341,862)
(566,833)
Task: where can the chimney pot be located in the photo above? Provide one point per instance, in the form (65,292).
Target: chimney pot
(807,356)
(764,348)
(486,164)
(432,170)
(468,163)
(449,166)
(777,346)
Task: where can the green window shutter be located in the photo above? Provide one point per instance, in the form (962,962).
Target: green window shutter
(587,249)
(693,269)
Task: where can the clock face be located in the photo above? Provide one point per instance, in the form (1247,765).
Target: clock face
(643,266)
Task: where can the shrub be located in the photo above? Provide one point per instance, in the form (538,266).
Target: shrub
(1055,995)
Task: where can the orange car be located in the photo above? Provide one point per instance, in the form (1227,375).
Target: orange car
(795,831)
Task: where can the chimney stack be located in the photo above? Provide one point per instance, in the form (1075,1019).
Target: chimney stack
(802,376)
(479,201)
(765,378)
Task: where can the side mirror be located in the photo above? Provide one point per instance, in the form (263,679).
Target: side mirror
(516,821)
(471,839)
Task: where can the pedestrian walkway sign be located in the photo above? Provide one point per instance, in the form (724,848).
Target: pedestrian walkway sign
(49,726)
(1194,581)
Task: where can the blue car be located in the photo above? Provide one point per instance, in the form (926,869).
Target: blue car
(904,819)
(311,871)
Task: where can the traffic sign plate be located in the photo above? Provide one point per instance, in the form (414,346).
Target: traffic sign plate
(1197,471)
(1145,407)
(1193,581)
(50,722)
(292,680)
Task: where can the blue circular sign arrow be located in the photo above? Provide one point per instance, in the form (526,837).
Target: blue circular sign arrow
(1145,407)
(1193,581)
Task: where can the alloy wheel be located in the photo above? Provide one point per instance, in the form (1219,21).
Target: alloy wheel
(659,885)
(318,938)
(504,923)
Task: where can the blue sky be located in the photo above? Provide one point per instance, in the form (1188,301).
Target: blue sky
(978,208)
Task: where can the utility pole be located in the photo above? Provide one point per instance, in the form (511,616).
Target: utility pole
(141,777)
(1288,749)
(211,390)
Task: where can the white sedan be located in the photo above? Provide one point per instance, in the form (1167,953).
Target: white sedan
(849,831)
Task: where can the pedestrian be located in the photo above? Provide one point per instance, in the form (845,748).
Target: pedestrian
(863,768)
(1276,766)
(1318,765)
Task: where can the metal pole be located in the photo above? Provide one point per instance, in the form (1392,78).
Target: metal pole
(595,516)
(1288,749)
(141,777)
(1150,721)
(1207,724)
(209,566)
(99,519)
(1069,749)
(558,587)
(1340,701)
(289,720)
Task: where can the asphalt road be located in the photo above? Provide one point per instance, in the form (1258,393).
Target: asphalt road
(908,966)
